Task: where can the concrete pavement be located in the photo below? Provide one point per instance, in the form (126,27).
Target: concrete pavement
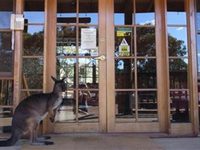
(95,141)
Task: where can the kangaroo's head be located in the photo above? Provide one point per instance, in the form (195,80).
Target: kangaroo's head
(59,85)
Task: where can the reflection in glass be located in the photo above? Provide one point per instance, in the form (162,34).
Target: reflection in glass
(6,113)
(34,11)
(88,106)
(124,74)
(179,106)
(67,68)
(88,11)
(178,73)
(6,96)
(125,106)
(34,41)
(66,11)
(67,112)
(123,12)
(145,12)
(66,41)
(6,119)
(124,41)
(198,50)
(32,73)
(146,73)
(6,53)
(198,21)
(88,41)
(88,72)
(6,8)
(177,41)
(146,41)
(147,106)
(176,12)
(198,15)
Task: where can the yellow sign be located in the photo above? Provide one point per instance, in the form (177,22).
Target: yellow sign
(121,33)
(124,48)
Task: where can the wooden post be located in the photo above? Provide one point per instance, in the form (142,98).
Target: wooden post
(162,65)
(49,53)
(192,66)
(18,57)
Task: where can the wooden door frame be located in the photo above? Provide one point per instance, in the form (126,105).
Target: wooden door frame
(162,63)
(106,46)
(132,126)
(49,69)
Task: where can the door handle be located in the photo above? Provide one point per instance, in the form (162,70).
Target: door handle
(102,57)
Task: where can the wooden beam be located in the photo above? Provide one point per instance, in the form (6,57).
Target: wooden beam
(162,65)
(102,66)
(193,84)
(18,35)
(49,53)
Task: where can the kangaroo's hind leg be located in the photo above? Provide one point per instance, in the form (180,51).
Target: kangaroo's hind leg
(34,140)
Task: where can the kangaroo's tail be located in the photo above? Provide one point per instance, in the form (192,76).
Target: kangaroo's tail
(12,140)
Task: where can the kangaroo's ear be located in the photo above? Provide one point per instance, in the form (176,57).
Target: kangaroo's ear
(54,79)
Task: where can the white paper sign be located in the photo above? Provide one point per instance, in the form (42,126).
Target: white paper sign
(88,38)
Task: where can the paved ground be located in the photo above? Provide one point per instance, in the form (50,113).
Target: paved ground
(112,142)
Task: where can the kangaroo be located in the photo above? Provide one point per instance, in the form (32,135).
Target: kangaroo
(31,111)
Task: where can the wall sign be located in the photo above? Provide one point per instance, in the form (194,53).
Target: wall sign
(88,38)
(124,48)
(17,22)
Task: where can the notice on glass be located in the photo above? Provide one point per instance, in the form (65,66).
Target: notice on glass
(88,38)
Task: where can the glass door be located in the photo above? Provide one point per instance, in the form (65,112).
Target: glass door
(79,58)
(135,101)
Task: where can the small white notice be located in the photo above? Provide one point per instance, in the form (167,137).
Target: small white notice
(124,48)
(88,38)
(17,22)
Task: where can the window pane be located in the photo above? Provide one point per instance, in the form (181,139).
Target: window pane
(32,73)
(123,12)
(6,120)
(34,11)
(146,41)
(88,106)
(67,111)
(124,74)
(177,41)
(66,11)
(125,106)
(179,106)
(6,8)
(124,41)
(198,15)
(6,89)
(67,68)
(88,72)
(88,11)
(178,73)
(34,41)
(6,54)
(176,12)
(146,73)
(66,41)
(147,106)
(145,12)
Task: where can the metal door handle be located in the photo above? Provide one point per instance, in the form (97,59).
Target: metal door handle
(102,57)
